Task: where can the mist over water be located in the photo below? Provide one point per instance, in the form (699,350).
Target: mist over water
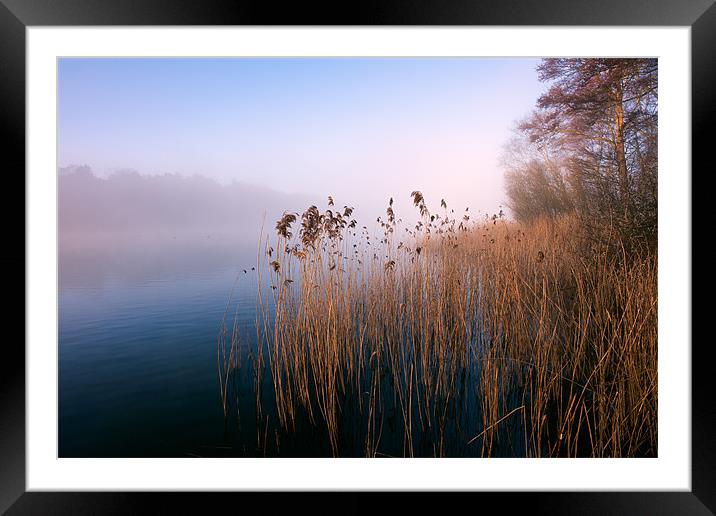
(165,205)
(404,314)
(148,259)
(147,267)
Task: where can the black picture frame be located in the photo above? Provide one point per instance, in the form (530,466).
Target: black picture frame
(17,15)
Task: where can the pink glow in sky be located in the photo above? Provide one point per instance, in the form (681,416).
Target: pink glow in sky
(360,129)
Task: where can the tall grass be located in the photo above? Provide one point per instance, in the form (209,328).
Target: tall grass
(465,337)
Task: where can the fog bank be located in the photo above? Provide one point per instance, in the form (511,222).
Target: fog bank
(94,208)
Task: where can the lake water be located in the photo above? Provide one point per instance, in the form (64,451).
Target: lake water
(138,326)
(139,318)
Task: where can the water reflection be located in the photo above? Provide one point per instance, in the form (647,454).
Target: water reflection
(90,260)
(138,323)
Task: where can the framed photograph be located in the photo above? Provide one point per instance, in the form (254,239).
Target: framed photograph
(419,250)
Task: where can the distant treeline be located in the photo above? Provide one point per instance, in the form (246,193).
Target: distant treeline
(129,201)
(590,147)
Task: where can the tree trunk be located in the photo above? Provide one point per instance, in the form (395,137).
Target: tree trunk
(619,148)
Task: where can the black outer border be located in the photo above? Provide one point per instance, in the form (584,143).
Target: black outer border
(16,15)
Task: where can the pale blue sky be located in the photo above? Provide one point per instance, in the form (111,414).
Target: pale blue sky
(360,129)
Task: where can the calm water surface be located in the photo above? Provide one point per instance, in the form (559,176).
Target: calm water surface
(139,319)
(138,326)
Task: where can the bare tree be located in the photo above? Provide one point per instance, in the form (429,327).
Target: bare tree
(598,120)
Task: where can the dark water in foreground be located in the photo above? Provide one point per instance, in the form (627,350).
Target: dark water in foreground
(138,325)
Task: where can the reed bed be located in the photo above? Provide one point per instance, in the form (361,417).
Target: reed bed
(453,337)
